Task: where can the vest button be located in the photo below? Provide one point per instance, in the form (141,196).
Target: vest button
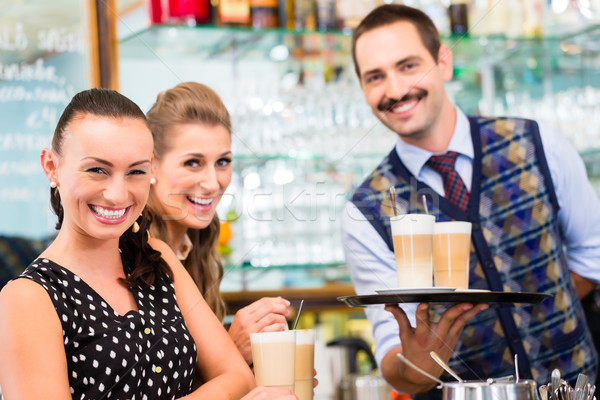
(475,226)
(488,264)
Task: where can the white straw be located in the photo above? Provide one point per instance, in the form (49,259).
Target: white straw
(425,204)
(410,364)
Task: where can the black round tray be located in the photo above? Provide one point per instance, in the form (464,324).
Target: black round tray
(445,297)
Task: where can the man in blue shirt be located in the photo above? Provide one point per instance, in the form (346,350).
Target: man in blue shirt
(536,226)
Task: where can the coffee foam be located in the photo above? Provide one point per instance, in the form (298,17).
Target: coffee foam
(415,224)
(273,337)
(452,227)
(305,336)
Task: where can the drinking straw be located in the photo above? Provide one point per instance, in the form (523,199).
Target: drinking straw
(393,199)
(425,204)
(298,316)
(410,364)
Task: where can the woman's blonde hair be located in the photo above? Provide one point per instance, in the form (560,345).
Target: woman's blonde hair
(191,102)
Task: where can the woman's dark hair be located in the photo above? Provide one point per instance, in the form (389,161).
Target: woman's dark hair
(190,103)
(391,13)
(142,263)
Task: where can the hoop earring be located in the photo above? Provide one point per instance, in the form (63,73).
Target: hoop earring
(152,181)
(53,184)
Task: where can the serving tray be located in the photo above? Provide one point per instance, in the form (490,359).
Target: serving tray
(505,298)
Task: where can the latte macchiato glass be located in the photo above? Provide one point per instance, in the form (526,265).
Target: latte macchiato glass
(451,250)
(413,242)
(305,363)
(274,357)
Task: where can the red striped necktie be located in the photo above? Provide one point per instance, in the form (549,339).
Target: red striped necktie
(454,187)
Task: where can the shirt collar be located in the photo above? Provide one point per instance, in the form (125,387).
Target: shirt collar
(185,248)
(414,158)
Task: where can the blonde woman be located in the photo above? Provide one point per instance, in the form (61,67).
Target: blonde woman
(192,148)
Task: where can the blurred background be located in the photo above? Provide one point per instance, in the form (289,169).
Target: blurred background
(303,135)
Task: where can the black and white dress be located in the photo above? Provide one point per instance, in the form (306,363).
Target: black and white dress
(145,354)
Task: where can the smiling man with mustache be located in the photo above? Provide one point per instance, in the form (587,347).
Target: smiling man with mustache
(534,214)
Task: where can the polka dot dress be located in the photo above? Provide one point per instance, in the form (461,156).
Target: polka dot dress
(142,355)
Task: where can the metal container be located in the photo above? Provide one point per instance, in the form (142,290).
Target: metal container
(470,390)
(370,387)
(343,354)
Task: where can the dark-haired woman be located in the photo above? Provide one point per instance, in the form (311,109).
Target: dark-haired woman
(104,313)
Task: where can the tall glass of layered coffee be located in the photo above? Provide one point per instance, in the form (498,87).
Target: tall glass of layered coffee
(305,363)
(451,250)
(413,241)
(274,357)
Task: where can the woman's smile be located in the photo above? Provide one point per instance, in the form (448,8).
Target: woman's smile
(109,215)
(202,204)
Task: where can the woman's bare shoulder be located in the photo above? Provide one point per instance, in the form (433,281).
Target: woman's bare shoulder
(24,299)
(167,254)
(159,245)
(23,290)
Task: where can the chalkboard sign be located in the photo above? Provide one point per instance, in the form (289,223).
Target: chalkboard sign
(44,61)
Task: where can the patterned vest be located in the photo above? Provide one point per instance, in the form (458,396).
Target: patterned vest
(516,246)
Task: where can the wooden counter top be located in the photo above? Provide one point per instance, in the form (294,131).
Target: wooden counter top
(321,298)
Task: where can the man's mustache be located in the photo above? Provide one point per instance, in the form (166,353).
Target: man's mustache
(388,104)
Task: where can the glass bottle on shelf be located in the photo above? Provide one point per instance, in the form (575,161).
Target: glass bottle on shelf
(286,13)
(458,13)
(159,11)
(326,15)
(234,12)
(215,18)
(305,14)
(264,13)
(180,12)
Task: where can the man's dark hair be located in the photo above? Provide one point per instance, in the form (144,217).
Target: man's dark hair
(391,13)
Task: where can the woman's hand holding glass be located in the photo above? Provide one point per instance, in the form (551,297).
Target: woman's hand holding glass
(265,315)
